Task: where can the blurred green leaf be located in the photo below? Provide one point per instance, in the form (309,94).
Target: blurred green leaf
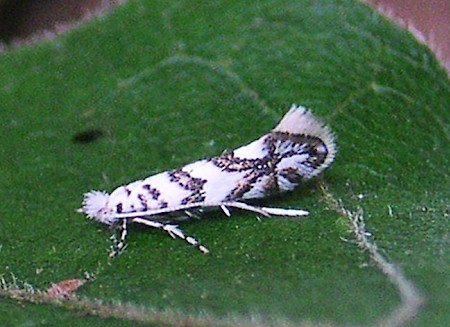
(169,83)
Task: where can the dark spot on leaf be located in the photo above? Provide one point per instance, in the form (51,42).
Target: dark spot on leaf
(87,136)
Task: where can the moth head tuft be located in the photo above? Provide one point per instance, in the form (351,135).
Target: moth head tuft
(95,206)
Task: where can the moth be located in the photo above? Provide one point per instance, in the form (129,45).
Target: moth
(299,148)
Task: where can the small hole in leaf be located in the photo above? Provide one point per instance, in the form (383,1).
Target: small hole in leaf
(87,136)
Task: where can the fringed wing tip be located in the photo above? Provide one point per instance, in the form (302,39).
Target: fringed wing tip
(300,120)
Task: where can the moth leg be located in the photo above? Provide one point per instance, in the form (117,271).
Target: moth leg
(173,230)
(119,243)
(283,212)
(266,211)
(225,210)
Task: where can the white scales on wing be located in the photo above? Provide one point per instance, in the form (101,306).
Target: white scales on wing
(297,149)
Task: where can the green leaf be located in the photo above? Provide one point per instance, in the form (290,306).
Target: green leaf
(167,84)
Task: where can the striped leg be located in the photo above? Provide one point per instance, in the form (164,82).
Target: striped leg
(119,243)
(173,230)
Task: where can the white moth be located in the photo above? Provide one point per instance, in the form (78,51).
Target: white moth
(297,149)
